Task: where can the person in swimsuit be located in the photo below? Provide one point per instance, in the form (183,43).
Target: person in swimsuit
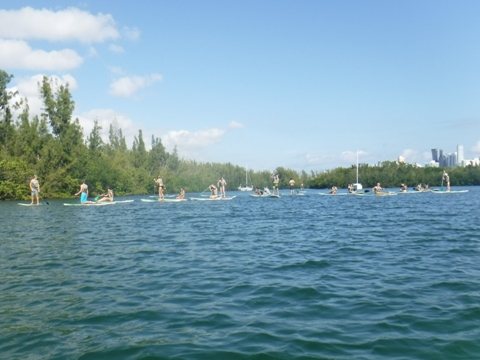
(266,191)
(161,187)
(333,190)
(403,188)
(83,192)
(182,194)
(213,192)
(221,185)
(34,188)
(292,186)
(377,189)
(350,189)
(108,196)
(276,181)
(447,180)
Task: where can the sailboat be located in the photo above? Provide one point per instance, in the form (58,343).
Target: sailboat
(246,187)
(357,186)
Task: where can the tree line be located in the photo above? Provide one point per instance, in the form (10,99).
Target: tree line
(52,145)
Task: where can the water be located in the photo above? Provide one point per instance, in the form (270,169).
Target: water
(313,277)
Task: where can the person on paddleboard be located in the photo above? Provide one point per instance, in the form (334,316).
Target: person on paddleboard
(35,189)
(213,191)
(108,196)
(333,190)
(350,188)
(403,188)
(292,186)
(221,185)
(377,189)
(276,181)
(182,194)
(447,179)
(161,187)
(83,192)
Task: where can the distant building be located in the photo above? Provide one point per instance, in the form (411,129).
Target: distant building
(435,154)
(460,155)
(432,164)
(401,159)
(451,160)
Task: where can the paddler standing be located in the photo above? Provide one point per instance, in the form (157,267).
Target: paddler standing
(447,179)
(276,181)
(221,185)
(83,192)
(34,188)
(161,187)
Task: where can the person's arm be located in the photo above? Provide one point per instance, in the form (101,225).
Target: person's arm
(31,187)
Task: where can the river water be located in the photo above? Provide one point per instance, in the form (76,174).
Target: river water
(303,277)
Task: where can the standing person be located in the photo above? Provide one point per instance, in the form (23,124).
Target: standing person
(292,186)
(447,179)
(83,192)
(108,196)
(213,191)
(182,194)
(377,189)
(35,189)
(161,187)
(276,181)
(221,185)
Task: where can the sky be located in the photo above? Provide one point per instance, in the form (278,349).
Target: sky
(262,84)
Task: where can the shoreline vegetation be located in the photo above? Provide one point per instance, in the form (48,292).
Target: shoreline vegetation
(52,146)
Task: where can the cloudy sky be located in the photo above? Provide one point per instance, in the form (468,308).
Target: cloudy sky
(299,84)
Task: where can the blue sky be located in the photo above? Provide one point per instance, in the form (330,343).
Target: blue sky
(299,84)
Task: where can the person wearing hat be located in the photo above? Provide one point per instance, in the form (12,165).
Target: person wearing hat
(35,189)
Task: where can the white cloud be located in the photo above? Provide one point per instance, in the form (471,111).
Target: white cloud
(476,147)
(235,125)
(17,54)
(116,49)
(187,140)
(345,158)
(129,85)
(63,25)
(411,156)
(105,117)
(29,87)
(131,33)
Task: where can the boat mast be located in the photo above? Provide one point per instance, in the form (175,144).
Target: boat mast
(357,166)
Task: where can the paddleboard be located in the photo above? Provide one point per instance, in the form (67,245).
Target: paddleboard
(164,200)
(411,192)
(450,192)
(217,199)
(259,196)
(28,204)
(378,194)
(91,204)
(340,194)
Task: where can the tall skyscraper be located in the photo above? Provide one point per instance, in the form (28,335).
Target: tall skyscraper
(460,155)
(435,154)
